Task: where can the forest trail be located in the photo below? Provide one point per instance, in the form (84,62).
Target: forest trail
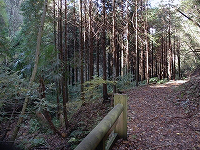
(155,122)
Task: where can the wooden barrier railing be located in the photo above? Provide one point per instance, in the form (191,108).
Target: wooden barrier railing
(115,120)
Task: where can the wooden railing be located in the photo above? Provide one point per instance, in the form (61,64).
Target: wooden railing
(115,120)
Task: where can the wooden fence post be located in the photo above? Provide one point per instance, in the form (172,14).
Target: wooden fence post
(121,127)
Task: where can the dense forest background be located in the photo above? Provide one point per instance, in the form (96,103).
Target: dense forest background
(58,55)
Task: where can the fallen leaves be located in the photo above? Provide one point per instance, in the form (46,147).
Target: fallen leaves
(153,123)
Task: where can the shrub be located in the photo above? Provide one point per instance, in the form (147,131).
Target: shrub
(153,80)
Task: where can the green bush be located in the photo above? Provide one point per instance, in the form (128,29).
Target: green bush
(125,81)
(35,142)
(34,126)
(93,88)
(163,81)
(153,80)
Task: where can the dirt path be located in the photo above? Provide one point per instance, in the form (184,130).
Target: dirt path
(155,122)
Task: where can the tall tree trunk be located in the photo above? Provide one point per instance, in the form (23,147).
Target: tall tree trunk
(136,45)
(110,65)
(174,59)
(118,60)
(142,64)
(165,58)
(127,44)
(65,76)
(152,60)
(97,56)
(91,65)
(179,60)
(114,46)
(86,48)
(147,45)
(55,48)
(39,38)
(105,94)
(170,53)
(74,41)
(81,47)
(162,58)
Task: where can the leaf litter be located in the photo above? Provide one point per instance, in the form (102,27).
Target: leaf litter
(158,120)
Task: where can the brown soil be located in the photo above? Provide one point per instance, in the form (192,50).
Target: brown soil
(157,120)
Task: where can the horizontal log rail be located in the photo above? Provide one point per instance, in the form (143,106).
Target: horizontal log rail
(115,120)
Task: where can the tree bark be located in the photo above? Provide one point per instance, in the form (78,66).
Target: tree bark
(91,41)
(81,48)
(114,46)
(174,59)
(97,56)
(105,94)
(147,46)
(179,59)
(65,76)
(170,53)
(136,45)
(152,60)
(39,38)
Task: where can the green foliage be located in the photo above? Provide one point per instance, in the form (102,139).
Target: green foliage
(3,29)
(34,126)
(163,81)
(93,88)
(13,91)
(12,86)
(31,143)
(37,126)
(26,40)
(76,137)
(74,92)
(43,103)
(125,82)
(56,122)
(37,142)
(153,80)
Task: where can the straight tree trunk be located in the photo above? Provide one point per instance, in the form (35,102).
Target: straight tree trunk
(97,56)
(170,53)
(105,94)
(174,59)
(179,60)
(65,79)
(142,64)
(166,57)
(81,47)
(162,58)
(74,41)
(86,48)
(114,46)
(147,45)
(110,65)
(91,41)
(136,45)
(55,48)
(152,60)
(39,38)
(127,45)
